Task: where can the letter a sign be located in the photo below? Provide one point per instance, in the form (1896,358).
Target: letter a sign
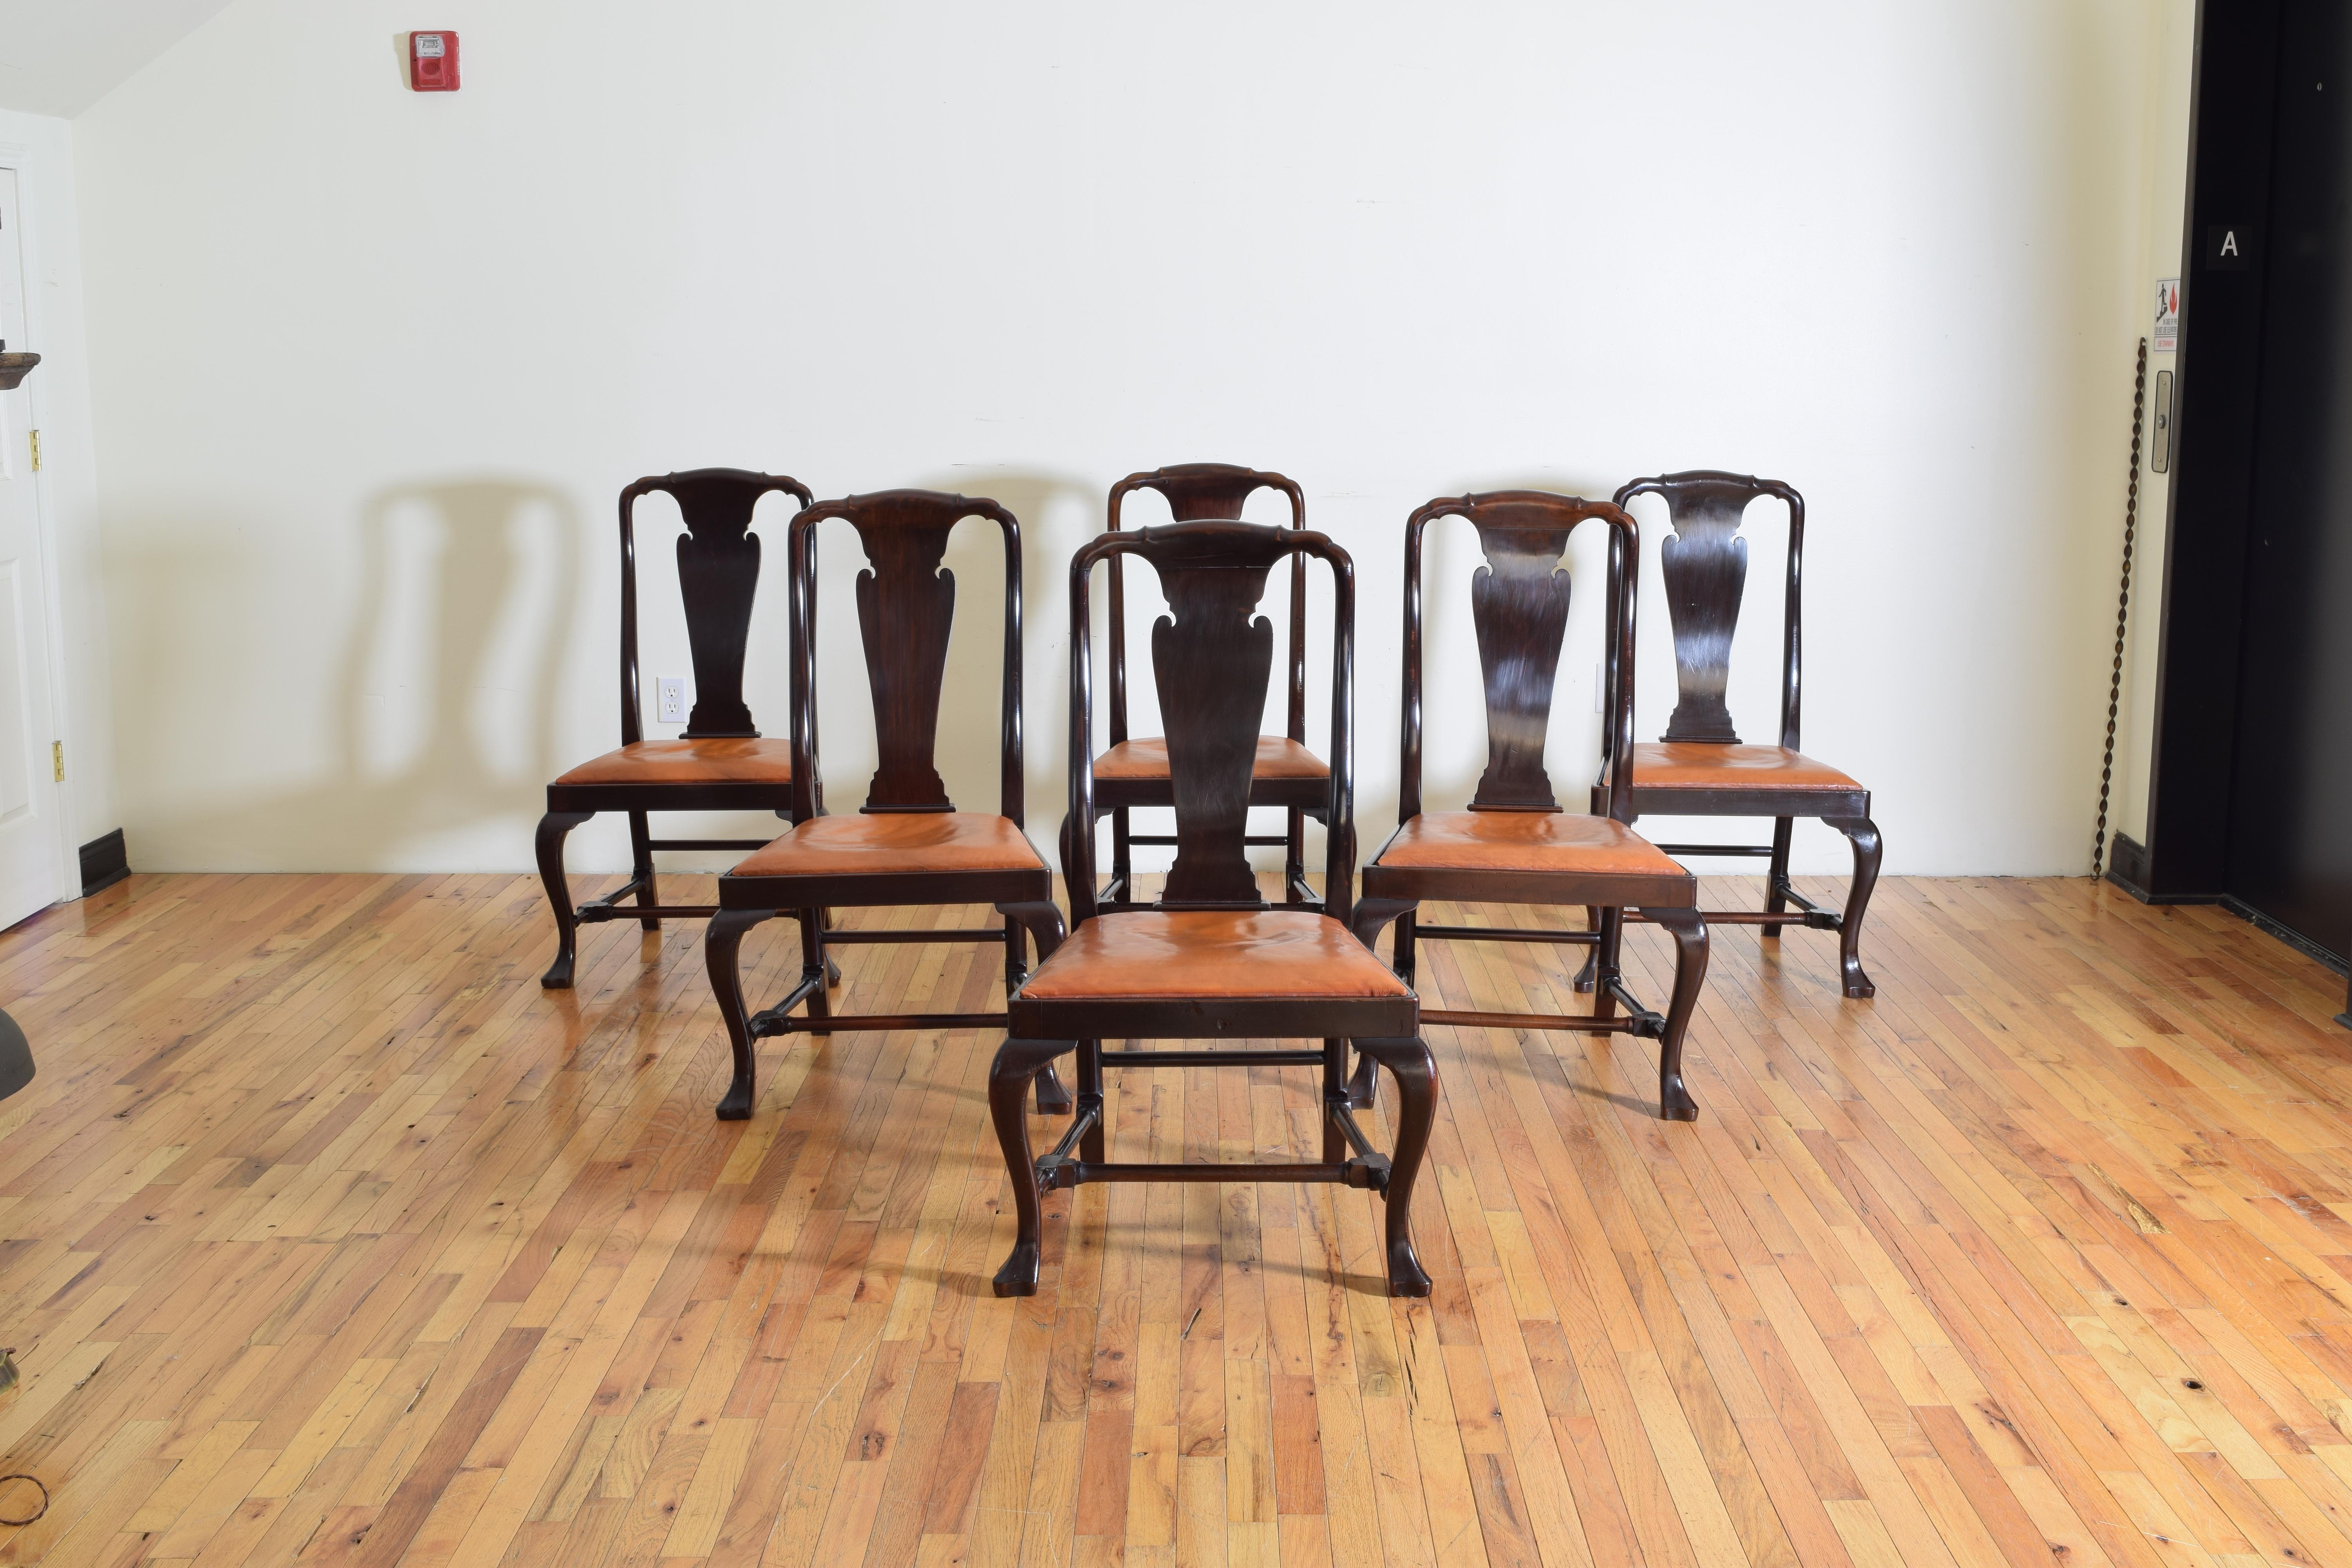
(2228,247)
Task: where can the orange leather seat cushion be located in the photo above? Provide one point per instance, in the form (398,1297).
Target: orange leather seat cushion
(1708,765)
(731,758)
(1524,841)
(896,841)
(1278,757)
(1171,954)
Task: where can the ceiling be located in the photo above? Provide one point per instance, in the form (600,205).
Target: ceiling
(59,57)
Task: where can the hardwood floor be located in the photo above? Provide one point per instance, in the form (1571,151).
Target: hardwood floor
(326,1236)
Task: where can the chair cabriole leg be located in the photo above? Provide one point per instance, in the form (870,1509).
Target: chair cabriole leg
(1371,915)
(1590,969)
(1093,1144)
(1776,882)
(1122,859)
(641,869)
(1607,955)
(1336,1090)
(1863,833)
(1042,920)
(1415,1071)
(1689,931)
(1018,1061)
(1016,959)
(1294,857)
(552,829)
(721,941)
(815,965)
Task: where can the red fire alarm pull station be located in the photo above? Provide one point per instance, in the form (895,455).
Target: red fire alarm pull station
(433,62)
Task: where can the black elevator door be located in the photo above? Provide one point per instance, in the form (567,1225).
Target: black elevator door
(2290,847)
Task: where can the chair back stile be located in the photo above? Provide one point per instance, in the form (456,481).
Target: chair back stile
(1519,601)
(1201,493)
(1705,564)
(905,611)
(1212,658)
(718,576)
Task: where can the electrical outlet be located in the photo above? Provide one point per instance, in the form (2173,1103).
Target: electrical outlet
(670,699)
(1596,688)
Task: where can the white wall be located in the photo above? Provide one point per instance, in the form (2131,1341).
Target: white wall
(370,365)
(41,149)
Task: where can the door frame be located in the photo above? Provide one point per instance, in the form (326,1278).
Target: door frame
(33,171)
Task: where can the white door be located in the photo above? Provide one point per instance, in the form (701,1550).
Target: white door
(30,798)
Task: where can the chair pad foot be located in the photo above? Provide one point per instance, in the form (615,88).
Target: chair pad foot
(1019,1275)
(1675,1102)
(1406,1277)
(737,1104)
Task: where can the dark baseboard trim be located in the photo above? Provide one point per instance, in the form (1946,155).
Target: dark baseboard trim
(2294,939)
(2127,866)
(2127,869)
(104,862)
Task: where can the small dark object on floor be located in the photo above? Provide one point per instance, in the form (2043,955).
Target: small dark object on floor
(15,1058)
(37,1513)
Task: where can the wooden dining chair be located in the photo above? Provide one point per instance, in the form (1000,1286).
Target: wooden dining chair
(908,845)
(1514,846)
(1700,767)
(1211,959)
(721,762)
(1134,771)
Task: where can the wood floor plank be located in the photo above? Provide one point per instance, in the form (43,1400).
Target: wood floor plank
(326,1234)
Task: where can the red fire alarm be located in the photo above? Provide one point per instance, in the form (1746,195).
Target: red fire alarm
(433,62)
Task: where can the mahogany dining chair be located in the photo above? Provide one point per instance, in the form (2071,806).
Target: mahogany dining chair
(1700,767)
(909,846)
(721,762)
(1133,772)
(1513,845)
(1211,959)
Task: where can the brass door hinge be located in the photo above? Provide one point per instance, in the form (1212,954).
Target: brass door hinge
(36,451)
(57,757)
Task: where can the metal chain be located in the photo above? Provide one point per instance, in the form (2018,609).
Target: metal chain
(2122,614)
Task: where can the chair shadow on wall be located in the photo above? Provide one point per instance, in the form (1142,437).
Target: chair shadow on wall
(443,702)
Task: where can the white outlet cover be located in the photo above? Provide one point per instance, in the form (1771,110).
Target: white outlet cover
(670,699)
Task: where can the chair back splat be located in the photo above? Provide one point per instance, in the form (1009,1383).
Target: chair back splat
(905,608)
(1199,492)
(1705,564)
(1518,606)
(1211,658)
(718,576)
